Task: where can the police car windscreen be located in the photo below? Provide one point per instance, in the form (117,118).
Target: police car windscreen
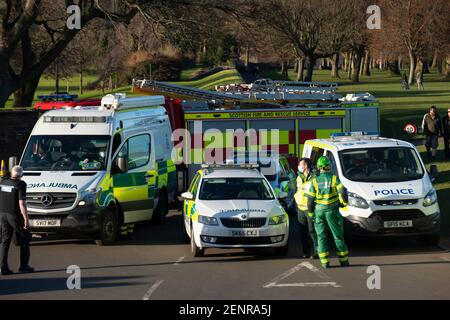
(66,153)
(235,189)
(394,164)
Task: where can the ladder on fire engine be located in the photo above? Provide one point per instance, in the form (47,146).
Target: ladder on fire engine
(188,93)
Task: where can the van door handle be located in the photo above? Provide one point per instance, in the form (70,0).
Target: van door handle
(148,176)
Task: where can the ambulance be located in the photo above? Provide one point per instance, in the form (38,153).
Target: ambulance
(97,171)
(233,206)
(390,191)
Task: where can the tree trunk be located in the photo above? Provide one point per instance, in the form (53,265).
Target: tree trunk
(393,68)
(447,68)
(356,67)
(441,66)
(81,81)
(425,67)
(57,78)
(412,68)
(335,66)
(310,62)
(350,65)
(247,57)
(366,71)
(284,70)
(300,69)
(24,96)
(435,60)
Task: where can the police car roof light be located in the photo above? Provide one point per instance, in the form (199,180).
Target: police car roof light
(355,134)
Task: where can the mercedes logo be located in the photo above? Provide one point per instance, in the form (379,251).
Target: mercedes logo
(47,200)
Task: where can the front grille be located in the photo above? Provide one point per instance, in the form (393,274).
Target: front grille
(397,215)
(243,241)
(58,200)
(395,202)
(238,223)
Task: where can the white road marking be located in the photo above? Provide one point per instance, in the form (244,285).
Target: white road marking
(444,258)
(327,283)
(178,261)
(152,290)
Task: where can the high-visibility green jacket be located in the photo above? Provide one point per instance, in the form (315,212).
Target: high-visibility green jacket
(326,192)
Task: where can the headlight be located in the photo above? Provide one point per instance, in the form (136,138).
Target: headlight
(89,197)
(210,221)
(356,201)
(274,220)
(430,199)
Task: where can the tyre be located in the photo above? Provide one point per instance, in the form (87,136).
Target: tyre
(159,216)
(109,229)
(282,251)
(195,251)
(431,239)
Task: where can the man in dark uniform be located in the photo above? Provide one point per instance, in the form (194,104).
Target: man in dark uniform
(14,217)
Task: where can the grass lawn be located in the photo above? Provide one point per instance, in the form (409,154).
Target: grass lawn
(47,86)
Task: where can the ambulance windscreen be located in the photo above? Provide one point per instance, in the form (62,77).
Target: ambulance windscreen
(66,153)
(394,164)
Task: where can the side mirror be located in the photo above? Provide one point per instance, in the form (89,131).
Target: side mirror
(121,164)
(187,196)
(433,172)
(282,195)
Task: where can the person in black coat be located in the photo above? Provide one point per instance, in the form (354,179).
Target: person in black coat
(446,133)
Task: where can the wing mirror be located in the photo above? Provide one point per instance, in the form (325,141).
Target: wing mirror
(121,164)
(187,196)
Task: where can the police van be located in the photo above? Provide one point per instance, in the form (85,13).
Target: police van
(96,171)
(233,206)
(390,191)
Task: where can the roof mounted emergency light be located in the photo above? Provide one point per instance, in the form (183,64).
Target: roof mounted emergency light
(119,101)
(355,134)
(230,165)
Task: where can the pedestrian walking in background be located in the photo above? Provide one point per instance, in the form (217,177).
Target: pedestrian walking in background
(431,128)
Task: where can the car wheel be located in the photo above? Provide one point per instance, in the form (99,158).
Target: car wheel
(159,216)
(108,230)
(195,251)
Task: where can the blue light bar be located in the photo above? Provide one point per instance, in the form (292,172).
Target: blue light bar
(58,97)
(355,134)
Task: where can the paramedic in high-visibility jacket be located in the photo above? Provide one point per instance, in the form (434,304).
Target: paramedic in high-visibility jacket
(324,198)
(308,237)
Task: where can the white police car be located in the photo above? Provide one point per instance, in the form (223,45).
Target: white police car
(390,191)
(233,206)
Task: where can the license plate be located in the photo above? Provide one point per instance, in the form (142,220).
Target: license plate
(45,223)
(398,224)
(244,233)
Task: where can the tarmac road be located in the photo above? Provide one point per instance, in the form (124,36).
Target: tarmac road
(156,264)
